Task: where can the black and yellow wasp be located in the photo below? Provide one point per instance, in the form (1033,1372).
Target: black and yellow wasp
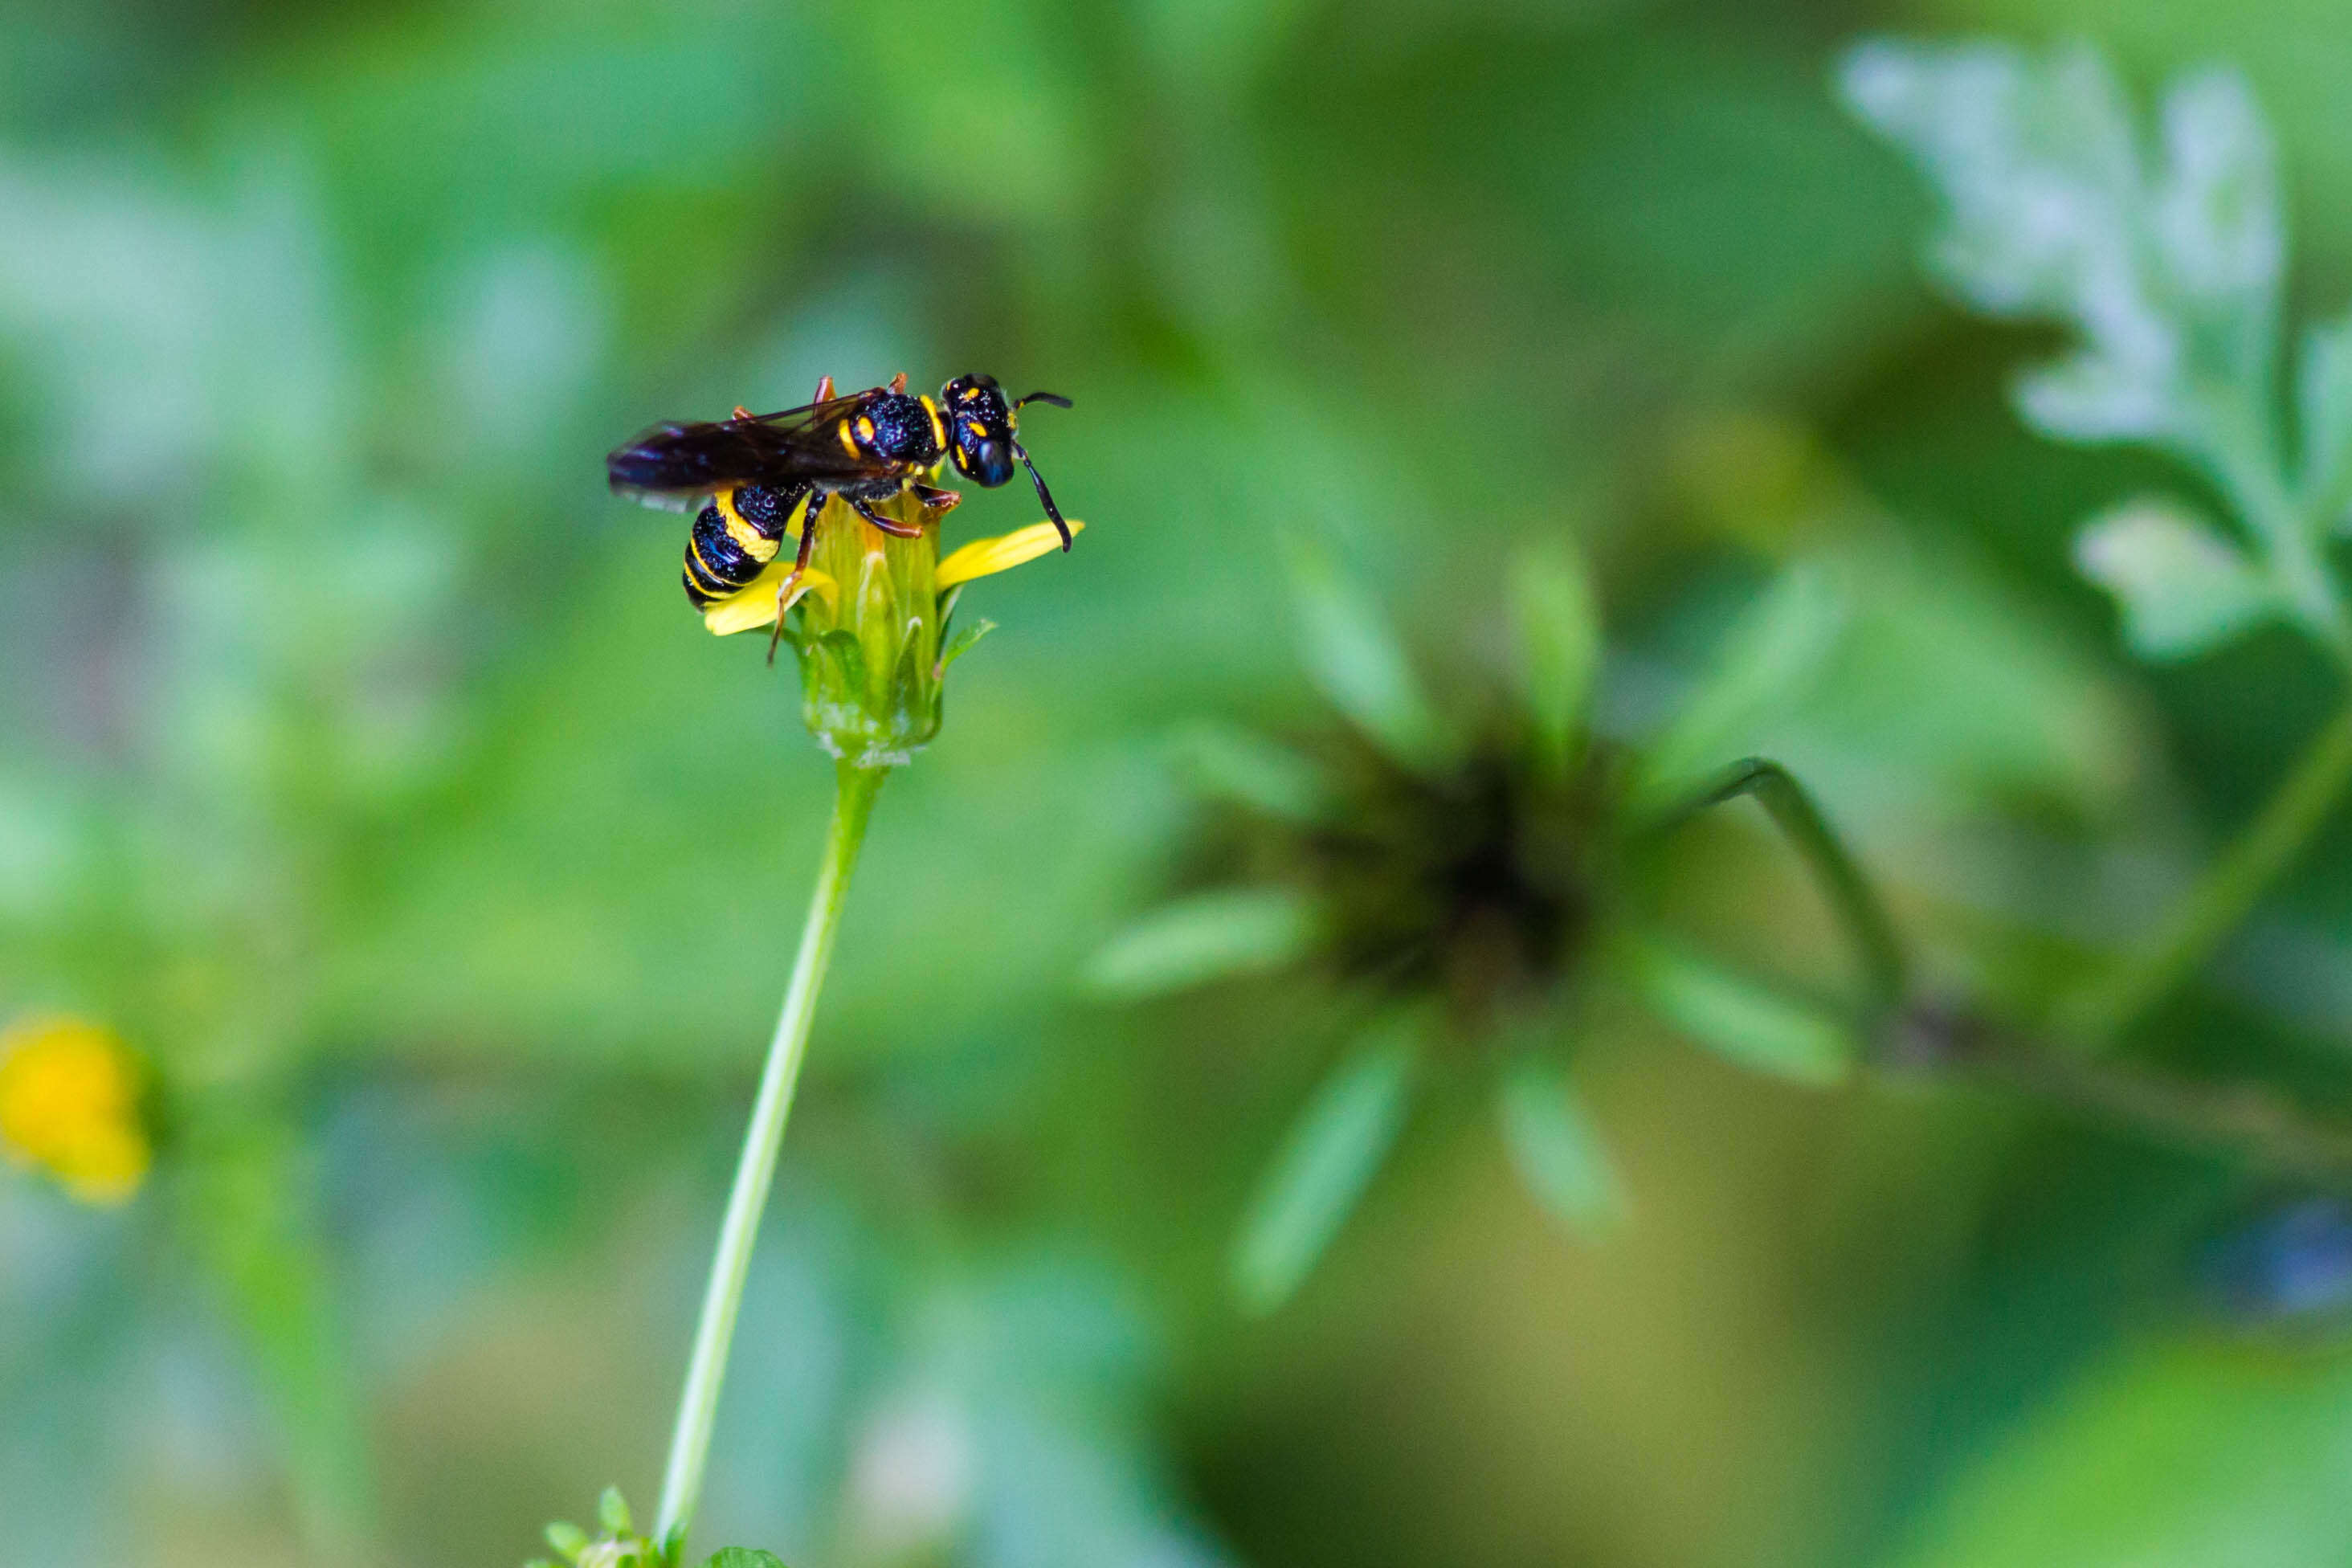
(759,470)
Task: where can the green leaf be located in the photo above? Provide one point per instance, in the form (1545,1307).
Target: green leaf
(743,1557)
(1558,627)
(961,644)
(613,1512)
(1353,652)
(2323,404)
(1737,1019)
(1555,1147)
(568,1539)
(1209,936)
(1249,771)
(2183,588)
(1764,665)
(2202,1454)
(2171,276)
(1325,1164)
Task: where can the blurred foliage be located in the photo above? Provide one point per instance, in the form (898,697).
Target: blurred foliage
(361,764)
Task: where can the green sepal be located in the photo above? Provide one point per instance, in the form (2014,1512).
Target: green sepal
(1209,936)
(1329,1159)
(1555,1147)
(742,1557)
(963,640)
(1737,1019)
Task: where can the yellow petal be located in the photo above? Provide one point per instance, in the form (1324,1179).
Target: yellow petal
(986,557)
(746,609)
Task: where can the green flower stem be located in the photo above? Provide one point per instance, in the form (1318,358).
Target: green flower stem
(2210,910)
(690,1449)
(2241,1122)
(1886,973)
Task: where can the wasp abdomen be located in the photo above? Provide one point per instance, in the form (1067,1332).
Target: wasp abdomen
(734,538)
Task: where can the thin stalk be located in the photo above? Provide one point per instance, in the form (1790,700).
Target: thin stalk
(1851,898)
(2243,1122)
(2223,895)
(697,1407)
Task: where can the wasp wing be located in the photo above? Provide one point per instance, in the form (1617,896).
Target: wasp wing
(673,463)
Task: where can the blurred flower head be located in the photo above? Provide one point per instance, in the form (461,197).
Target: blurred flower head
(71,1098)
(1463,873)
(869,619)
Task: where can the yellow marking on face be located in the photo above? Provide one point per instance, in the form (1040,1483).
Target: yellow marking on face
(938,431)
(849,440)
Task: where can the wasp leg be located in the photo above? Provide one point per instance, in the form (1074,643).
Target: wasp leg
(792,578)
(889,525)
(898,382)
(743,415)
(823,390)
(938,500)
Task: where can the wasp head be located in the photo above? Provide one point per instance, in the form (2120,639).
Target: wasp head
(982,421)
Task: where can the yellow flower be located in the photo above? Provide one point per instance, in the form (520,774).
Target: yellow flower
(753,608)
(69,1094)
(874,614)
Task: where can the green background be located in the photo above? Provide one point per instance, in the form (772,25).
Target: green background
(359,759)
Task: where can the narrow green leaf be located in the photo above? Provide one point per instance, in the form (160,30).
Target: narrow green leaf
(1764,665)
(1739,1019)
(1558,627)
(1353,652)
(613,1512)
(961,644)
(1555,1147)
(1249,771)
(1325,1164)
(2324,403)
(743,1557)
(1210,936)
(2183,589)
(567,1537)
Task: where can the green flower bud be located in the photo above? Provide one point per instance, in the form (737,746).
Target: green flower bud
(868,618)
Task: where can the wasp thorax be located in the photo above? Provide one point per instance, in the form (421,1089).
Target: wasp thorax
(898,428)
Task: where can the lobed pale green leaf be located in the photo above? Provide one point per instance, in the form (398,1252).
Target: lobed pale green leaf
(2183,588)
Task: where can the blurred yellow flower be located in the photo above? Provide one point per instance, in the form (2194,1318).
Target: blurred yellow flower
(754,607)
(69,1095)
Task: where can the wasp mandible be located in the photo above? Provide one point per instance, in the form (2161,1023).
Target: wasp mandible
(763,471)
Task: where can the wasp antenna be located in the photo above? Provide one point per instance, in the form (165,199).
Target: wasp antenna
(1044,496)
(1055,398)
